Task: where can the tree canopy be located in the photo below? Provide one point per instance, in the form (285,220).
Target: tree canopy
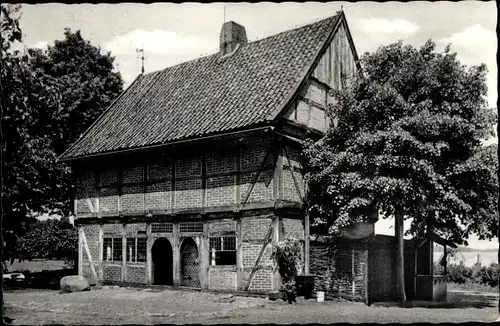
(409,139)
(49,97)
(408,144)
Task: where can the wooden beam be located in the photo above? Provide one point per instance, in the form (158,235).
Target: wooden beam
(238,174)
(239,255)
(204,259)
(172,185)
(256,178)
(145,183)
(259,257)
(278,170)
(80,251)
(101,254)
(180,144)
(97,189)
(307,231)
(89,256)
(124,254)
(176,256)
(275,239)
(296,183)
(120,185)
(229,211)
(365,276)
(149,258)
(203,178)
(353,271)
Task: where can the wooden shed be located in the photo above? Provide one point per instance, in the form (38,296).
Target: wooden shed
(364,269)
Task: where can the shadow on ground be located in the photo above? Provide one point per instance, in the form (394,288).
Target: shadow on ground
(47,279)
(456,300)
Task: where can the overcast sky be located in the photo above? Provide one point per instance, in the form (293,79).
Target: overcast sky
(173,33)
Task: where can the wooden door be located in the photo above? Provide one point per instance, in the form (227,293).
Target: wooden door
(190,267)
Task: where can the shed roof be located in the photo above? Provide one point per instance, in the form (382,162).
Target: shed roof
(206,96)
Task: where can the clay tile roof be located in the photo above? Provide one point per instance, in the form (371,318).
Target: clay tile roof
(206,96)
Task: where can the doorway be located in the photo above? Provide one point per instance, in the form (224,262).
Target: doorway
(162,262)
(190,269)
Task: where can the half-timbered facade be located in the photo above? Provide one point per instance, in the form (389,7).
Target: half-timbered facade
(194,172)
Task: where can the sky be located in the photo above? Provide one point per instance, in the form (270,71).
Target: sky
(173,33)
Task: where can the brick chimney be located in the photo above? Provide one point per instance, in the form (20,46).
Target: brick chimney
(232,35)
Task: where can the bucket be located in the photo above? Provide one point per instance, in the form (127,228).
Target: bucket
(320,296)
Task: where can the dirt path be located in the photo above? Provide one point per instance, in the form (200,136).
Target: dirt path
(146,306)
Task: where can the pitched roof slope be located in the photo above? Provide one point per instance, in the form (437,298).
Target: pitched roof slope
(206,96)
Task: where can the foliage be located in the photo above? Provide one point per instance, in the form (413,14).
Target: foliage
(288,255)
(408,140)
(50,239)
(30,99)
(48,99)
(461,274)
(87,81)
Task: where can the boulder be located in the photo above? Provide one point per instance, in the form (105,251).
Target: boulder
(74,283)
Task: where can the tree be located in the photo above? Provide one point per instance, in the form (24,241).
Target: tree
(50,239)
(88,84)
(30,101)
(48,99)
(87,81)
(408,144)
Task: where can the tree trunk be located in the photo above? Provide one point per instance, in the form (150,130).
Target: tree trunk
(498,210)
(400,274)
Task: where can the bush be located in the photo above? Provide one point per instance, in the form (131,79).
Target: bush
(459,274)
(487,275)
(462,274)
(288,255)
(50,239)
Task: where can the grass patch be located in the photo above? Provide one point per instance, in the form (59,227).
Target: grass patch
(469,286)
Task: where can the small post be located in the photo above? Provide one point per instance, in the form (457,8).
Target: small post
(445,260)
(142,57)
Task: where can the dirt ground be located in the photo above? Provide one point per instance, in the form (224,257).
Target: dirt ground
(151,306)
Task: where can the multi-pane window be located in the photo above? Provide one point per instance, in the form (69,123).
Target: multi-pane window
(136,250)
(112,249)
(161,227)
(223,250)
(190,227)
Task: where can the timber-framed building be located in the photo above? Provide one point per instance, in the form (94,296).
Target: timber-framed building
(194,172)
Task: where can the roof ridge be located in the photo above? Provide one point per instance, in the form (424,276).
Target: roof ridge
(321,20)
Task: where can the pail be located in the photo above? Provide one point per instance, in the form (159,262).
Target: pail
(320,296)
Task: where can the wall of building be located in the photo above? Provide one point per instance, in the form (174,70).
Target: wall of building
(215,177)
(252,234)
(337,65)
(146,188)
(257,233)
(334,70)
(340,269)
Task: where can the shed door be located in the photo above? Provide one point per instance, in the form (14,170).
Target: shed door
(190,269)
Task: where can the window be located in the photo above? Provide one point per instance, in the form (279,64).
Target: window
(223,250)
(161,228)
(112,249)
(191,227)
(136,250)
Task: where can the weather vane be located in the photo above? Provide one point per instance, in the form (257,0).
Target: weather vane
(142,57)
